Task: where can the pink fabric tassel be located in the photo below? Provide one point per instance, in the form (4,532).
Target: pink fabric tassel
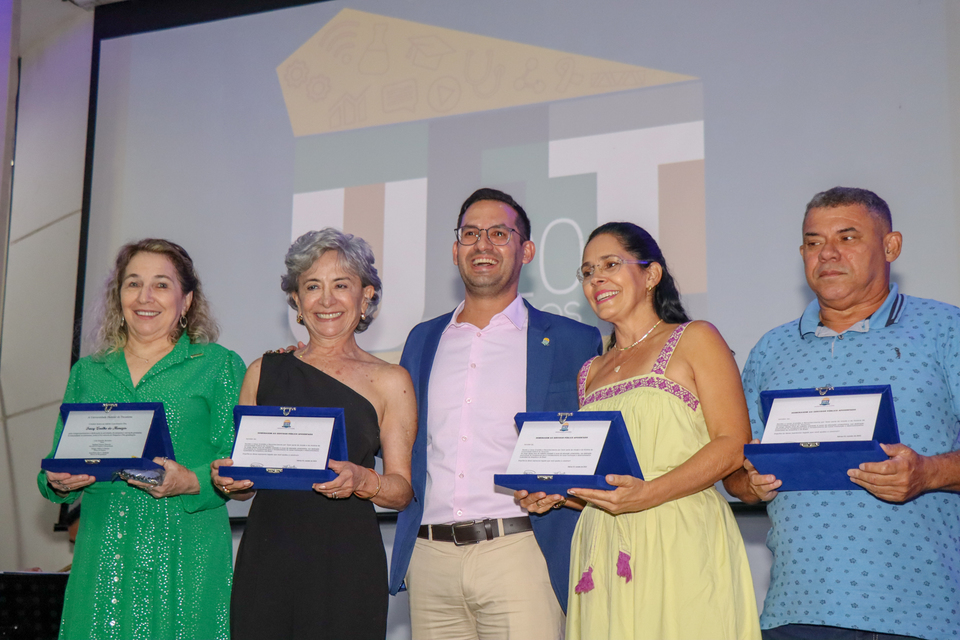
(623,566)
(586,582)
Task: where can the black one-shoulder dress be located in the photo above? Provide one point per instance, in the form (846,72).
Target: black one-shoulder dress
(309,566)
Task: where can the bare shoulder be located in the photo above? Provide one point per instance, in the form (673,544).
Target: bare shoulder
(256,364)
(253,372)
(702,334)
(390,377)
(390,385)
(395,377)
(251,383)
(702,341)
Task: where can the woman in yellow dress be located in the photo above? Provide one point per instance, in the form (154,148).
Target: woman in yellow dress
(659,558)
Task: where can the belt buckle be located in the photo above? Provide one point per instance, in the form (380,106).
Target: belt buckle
(453,530)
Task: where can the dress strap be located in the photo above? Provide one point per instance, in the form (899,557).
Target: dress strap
(582,379)
(660,366)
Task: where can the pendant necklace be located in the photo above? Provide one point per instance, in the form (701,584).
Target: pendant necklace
(616,369)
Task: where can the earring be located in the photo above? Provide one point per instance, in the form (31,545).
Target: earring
(649,289)
(299,318)
(123,321)
(183,321)
(363,316)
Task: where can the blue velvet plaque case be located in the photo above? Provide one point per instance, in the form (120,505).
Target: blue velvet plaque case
(617,456)
(823,466)
(156,445)
(285,478)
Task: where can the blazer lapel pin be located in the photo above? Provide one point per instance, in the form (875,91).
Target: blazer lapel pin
(546,342)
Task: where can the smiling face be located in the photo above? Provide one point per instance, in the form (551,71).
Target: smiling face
(489,270)
(615,297)
(330,298)
(846,256)
(151,297)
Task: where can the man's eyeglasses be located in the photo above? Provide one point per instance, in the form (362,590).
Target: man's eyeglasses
(498,235)
(607,267)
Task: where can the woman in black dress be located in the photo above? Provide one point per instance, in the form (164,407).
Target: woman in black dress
(312,564)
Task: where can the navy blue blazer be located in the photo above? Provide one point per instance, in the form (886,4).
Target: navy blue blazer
(551,386)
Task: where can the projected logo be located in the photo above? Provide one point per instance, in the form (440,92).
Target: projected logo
(579,141)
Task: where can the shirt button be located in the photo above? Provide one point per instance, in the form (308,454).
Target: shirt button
(116,557)
(123,493)
(113,601)
(121,513)
(119,535)
(469,400)
(479,335)
(461,475)
(459,513)
(116,579)
(473,365)
(464,438)
(113,623)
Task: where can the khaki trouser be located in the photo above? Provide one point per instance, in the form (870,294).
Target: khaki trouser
(493,590)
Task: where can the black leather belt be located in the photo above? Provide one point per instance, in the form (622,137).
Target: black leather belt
(474,531)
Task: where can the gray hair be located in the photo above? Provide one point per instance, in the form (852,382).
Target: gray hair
(354,256)
(843,196)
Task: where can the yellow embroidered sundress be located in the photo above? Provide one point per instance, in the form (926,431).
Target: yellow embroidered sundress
(679,570)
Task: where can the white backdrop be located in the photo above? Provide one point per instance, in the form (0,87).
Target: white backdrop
(194,142)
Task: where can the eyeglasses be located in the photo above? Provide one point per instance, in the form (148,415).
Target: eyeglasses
(607,267)
(498,235)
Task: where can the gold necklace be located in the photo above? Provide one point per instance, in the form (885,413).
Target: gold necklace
(130,351)
(139,357)
(616,369)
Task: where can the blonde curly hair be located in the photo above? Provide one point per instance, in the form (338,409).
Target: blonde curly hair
(110,332)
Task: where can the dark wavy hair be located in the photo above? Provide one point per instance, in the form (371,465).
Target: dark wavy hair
(641,245)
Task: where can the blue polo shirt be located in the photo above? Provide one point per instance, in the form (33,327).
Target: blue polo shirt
(846,558)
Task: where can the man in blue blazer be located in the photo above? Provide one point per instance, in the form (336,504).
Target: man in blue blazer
(464,549)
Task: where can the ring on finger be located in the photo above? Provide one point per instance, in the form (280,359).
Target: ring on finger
(334,495)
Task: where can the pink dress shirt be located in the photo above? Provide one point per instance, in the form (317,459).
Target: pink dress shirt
(477,385)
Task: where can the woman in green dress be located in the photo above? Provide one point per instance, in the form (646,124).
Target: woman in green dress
(154,562)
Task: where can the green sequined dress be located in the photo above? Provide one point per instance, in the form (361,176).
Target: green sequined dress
(147,568)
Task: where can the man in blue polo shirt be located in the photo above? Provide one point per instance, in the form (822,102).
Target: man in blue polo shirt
(885,560)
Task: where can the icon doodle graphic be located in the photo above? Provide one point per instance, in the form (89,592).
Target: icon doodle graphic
(296,73)
(419,71)
(400,95)
(496,70)
(444,94)
(340,40)
(375,60)
(527,81)
(428,51)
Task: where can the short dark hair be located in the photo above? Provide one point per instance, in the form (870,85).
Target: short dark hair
(492,194)
(641,245)
(843,196)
